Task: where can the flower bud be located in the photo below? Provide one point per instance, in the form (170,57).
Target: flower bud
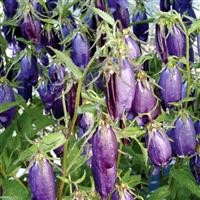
(42,180)
(120,90)
(104,159)
(159,148)
(183,137)
(141,30)
(80,50)
(171,85)
(7,96)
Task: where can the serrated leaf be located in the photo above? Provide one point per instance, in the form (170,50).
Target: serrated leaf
(105,16)
(76,71)
(160,194)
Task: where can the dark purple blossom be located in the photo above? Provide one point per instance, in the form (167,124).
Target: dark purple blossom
(141,30)
(10,8)
(31,28)
(122,15)
(80,50)
(165,5)
(7,96)
(28,70)
(195,167)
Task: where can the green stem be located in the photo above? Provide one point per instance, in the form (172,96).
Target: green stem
(71,128)
(150,20)
(187,61)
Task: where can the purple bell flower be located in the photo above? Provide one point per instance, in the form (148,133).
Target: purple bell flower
(181,5)
(159,148)
(31,29)
(7,96)
(28,70)
(113,4)
(42,180)
(51,4)
(122,15)
(133,49)
(120,90)
(104,159)
(46,95)
(25,89)
(195,167)
(10,8)
(171,85)
(183,137)
(80,50)
(171,43)
(122,195)
(85,122)
(145,102)
(141,30)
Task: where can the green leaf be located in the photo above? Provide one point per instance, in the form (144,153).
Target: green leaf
(105,16)
(144,150)
(160,194)
(6,106)
(46,144)
(14,190)
(185,180)
(131,132)
(131,180)
(76,71)
(195,27)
